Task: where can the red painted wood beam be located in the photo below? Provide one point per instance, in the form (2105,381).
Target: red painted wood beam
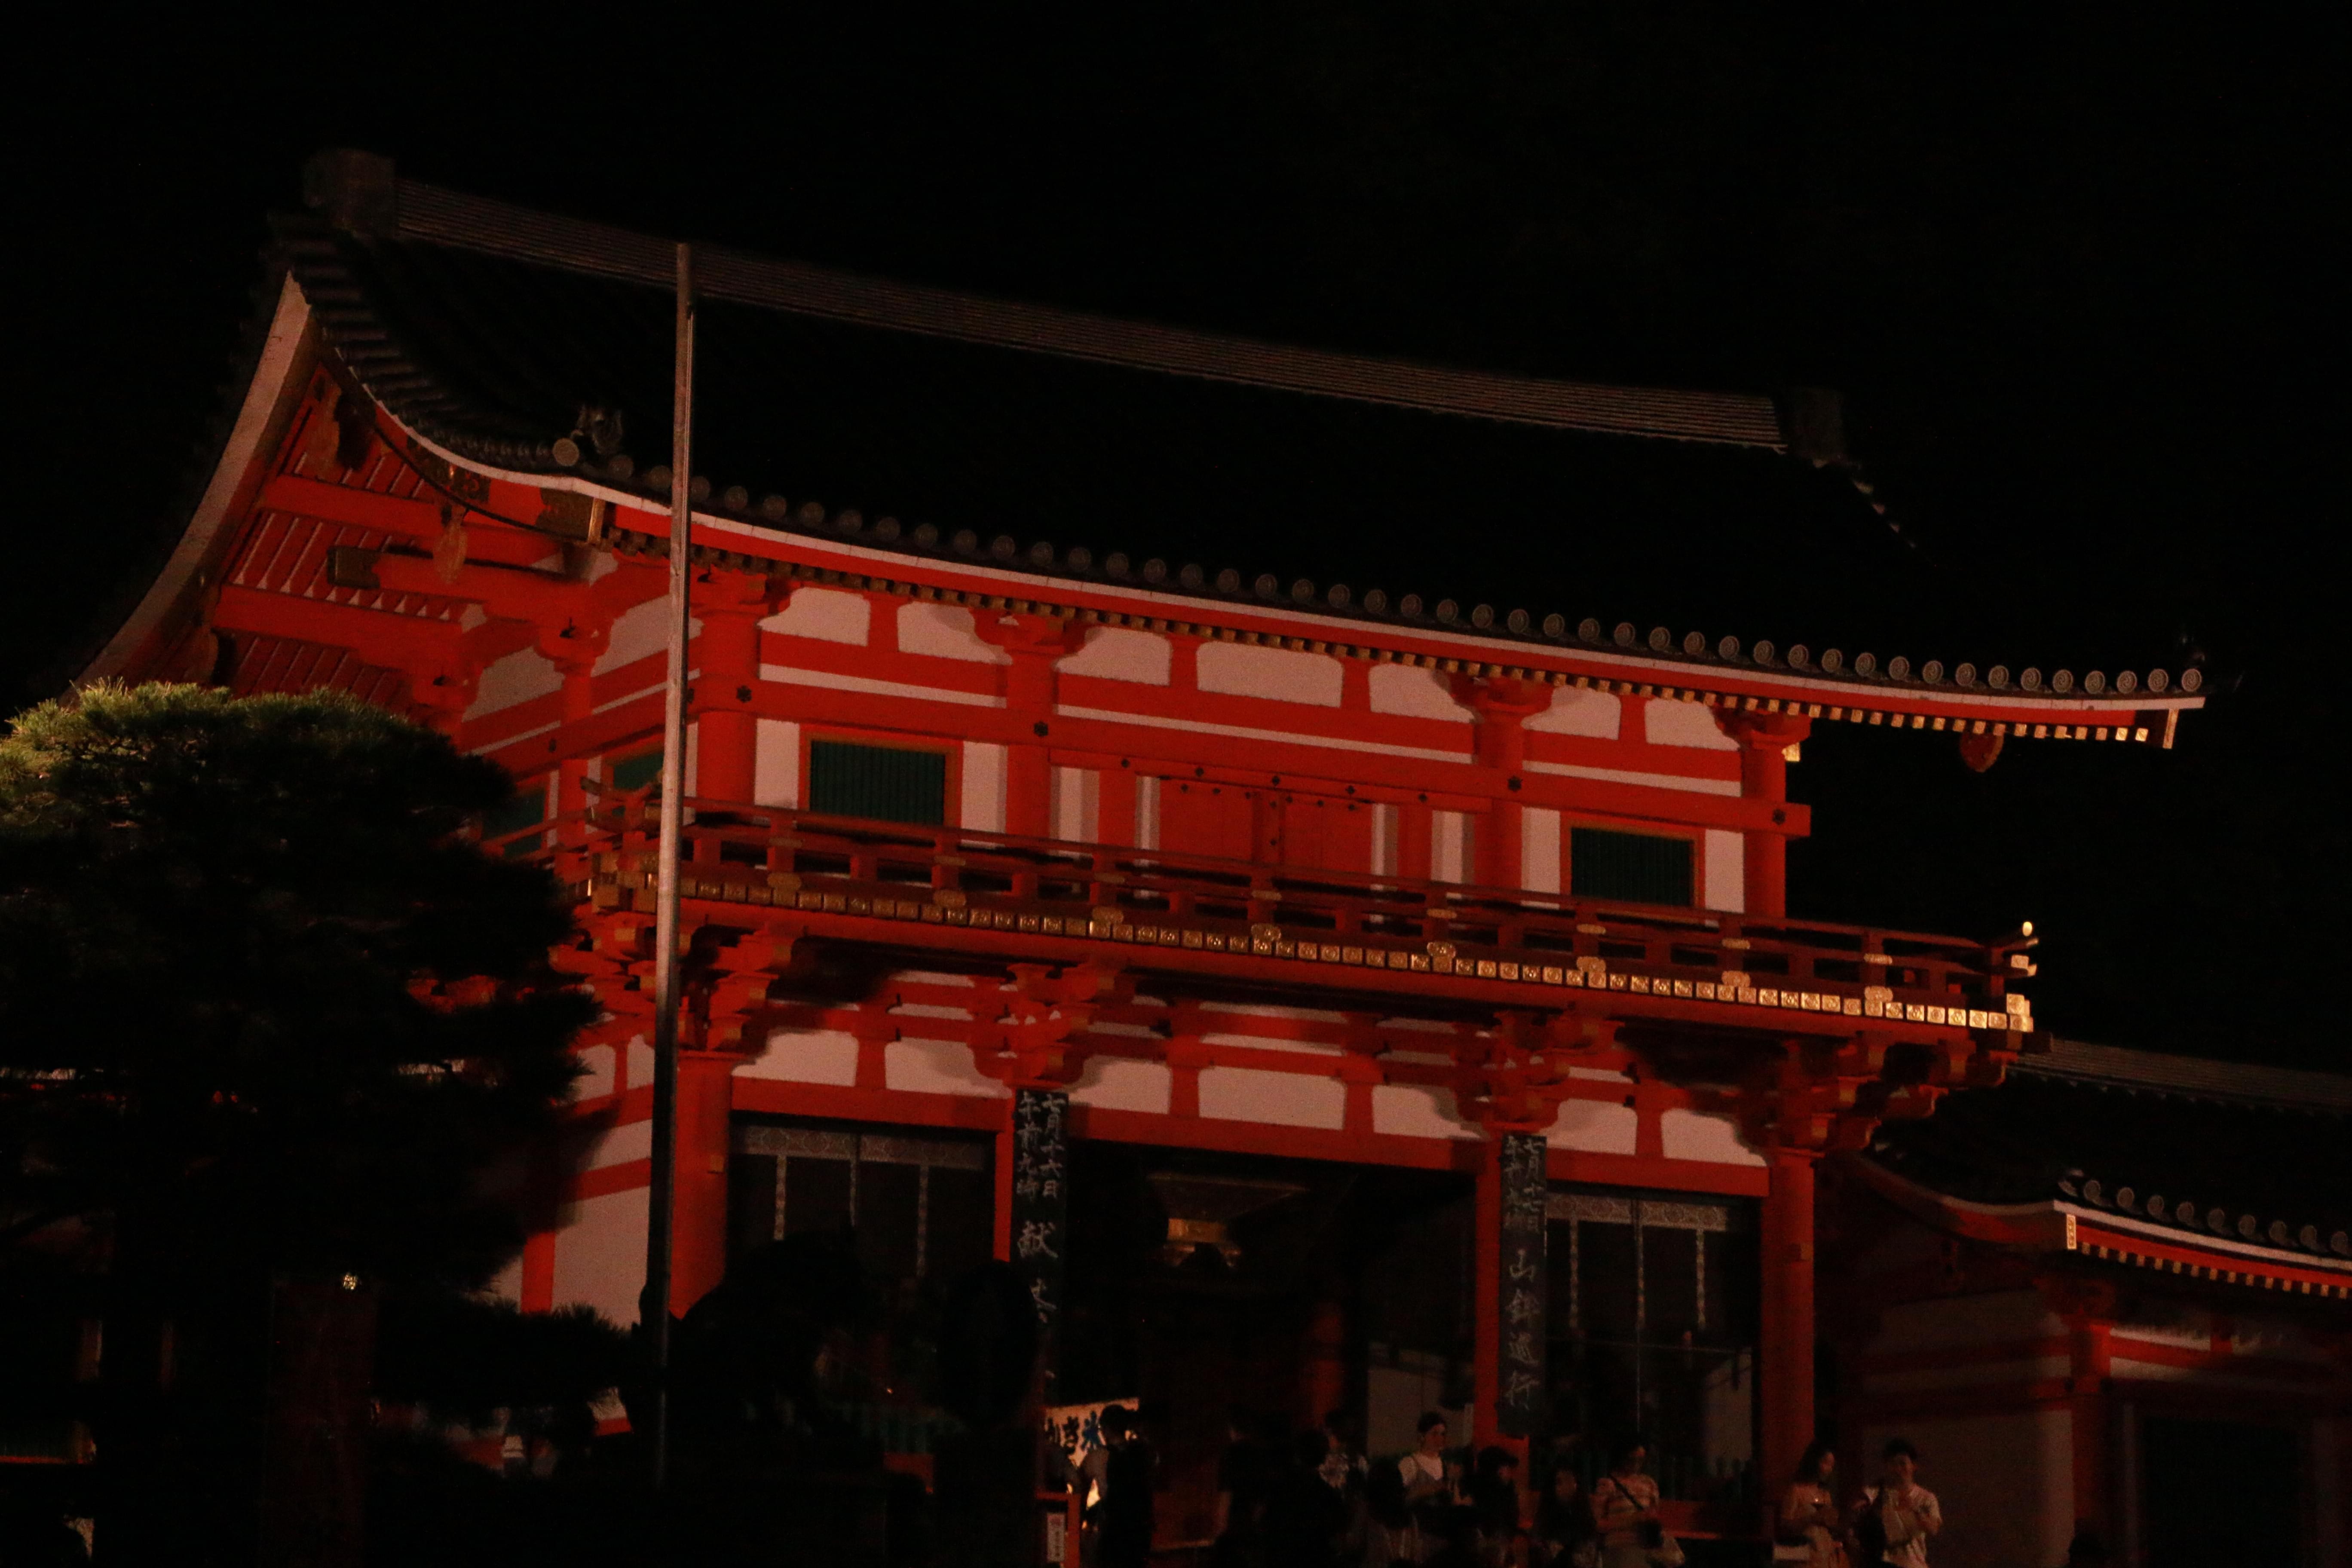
(381,637)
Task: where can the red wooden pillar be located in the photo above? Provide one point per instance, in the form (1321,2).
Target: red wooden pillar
(2088,1307)
(579,707)
(1786,1376)
(1764,741)
(1035,641)
(1323,1374)
(1502,706)
(1413,841)
(726,658)
(538,1290)
(699,1249)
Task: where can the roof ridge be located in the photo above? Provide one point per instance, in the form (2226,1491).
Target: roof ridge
(364,194)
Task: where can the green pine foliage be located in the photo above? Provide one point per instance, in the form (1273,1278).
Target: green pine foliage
(228,928)
(267,1014)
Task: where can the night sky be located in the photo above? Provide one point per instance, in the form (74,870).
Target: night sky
(2074,276)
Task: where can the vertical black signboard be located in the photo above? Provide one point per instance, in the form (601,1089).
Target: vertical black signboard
(1523,1299)
(1041,1208)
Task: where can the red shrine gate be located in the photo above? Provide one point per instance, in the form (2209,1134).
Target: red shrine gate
(1227,876)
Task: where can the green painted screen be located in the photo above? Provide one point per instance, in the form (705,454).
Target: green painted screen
(527,809)
(1640,868)
(885,782)
(634,773)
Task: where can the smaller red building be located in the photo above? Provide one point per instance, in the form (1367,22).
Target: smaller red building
(2114,1292)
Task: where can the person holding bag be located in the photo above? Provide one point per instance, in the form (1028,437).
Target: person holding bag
(1625,1509)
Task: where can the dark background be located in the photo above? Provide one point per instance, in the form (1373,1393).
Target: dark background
(2076,274)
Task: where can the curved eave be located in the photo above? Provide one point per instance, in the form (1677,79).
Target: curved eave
(170,607)
(863,567)
(2060,1227)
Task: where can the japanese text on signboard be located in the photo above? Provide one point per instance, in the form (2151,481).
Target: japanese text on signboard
(1524,1296)
(1041,1203)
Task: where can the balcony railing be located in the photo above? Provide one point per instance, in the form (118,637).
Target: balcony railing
(959,878)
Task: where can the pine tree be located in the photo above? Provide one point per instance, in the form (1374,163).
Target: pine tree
(265,1014)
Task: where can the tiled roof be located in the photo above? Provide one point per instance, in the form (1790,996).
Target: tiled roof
(2198,1078)
(2208,1150)
(540,346)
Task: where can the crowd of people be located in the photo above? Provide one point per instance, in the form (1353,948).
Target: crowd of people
(1314,1500)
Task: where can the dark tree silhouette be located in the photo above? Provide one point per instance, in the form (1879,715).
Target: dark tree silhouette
(266,1014)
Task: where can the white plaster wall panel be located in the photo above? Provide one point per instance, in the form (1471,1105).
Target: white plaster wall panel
(640,632)
(1384,839)
(2006,1483)
(1292,737)
(776,764)
(1415,693)
(1394,1400)
(945,631)
(1119,653)
(1453,854)
(600,1255)
(1113,1083)
(1283,674)
(597,1080)
(1665,722)
(932,977)
(936,1066)
(826,615)
(982,808)
(833,681)
(1595,1127)
(1416,1111)
(1077,804)
(1998,1317)
(815,1056)
(1725,854)
(1539,849)
(1637,777)
(1283,1098)
(2007,1373)
(1147,813)
(619,1145)
(1579,713)
(641,1063)
(1267,1043)
(518,678)
(1688,1135)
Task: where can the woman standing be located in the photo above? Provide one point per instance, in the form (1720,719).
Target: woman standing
(1625,1508)
(1432,1485)
(1808,1525)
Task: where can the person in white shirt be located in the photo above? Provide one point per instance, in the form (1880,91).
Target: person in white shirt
(1898,1515)
(1432,1485)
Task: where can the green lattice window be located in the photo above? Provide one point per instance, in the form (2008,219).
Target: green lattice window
(1640,867)
(887,784)
(634,773)
(527,809)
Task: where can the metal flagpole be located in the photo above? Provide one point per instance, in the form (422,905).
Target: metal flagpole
(659,1219)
